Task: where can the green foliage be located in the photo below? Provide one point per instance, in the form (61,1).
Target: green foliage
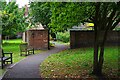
(77,63)
(60,16)
(13,19)
(107,16)
(52,44)
(65,15)
(118,27)
(40,12)
(63,36)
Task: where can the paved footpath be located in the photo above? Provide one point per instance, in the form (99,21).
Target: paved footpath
(29,67)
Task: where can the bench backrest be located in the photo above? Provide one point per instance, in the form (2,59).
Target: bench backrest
(2,53)
(23,47)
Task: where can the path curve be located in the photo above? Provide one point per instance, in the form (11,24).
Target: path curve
(29,67)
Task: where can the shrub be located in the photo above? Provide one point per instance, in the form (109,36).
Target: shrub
(52,44)
(64,37)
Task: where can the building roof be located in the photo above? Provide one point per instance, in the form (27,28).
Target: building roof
(37,27)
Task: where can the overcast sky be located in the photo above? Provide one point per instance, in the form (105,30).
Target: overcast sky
(20,3)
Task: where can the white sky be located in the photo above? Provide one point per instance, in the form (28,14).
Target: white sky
(20,3)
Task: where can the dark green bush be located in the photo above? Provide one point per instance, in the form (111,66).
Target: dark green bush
(64,37)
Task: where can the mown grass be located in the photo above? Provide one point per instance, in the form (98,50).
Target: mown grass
(13,46)
(77,63)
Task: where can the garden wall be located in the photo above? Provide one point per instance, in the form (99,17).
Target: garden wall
(80,38)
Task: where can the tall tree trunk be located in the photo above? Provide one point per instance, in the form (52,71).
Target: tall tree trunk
(101,60)
(96,34)
(101,56)
(96,48)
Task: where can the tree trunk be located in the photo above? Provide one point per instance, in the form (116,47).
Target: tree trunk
(96,34)
(95,62)
(101,60)
(101,57)
(96,48)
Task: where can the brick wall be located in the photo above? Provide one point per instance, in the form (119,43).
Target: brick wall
(38,39)
(86,38)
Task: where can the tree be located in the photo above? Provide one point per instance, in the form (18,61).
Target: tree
(105,17)
(13,20)
(40,13)
(63,15)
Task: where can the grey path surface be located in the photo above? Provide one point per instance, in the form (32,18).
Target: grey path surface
(29,67)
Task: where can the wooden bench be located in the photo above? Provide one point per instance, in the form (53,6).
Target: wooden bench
(5,58)
(26,50)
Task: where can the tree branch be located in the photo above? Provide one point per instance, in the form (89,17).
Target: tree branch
(110,21)
(117,15)
(97,9)
(115,24)
(104,17)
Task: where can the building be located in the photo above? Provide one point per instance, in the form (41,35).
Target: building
(37,37)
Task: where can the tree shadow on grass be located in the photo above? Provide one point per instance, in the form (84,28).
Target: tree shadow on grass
(105,77)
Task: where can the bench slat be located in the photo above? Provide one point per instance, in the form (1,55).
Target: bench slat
(5,58)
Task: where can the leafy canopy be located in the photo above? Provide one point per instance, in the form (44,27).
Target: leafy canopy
(59,16)
(40,12)
(13,20)
(66,15)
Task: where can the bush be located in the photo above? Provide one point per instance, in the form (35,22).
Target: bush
(64,37)
(52,44)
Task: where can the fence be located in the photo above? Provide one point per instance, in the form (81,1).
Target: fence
(80,38)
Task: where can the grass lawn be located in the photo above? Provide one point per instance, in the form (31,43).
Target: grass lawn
(77,63)
(13,46)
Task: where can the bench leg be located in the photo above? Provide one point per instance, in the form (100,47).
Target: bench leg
(33,50)
(2,66)
(28,52)
(24,53)
(20,53)
(11,58)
